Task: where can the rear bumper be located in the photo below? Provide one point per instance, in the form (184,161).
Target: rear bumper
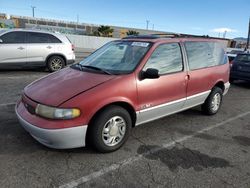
(56,138)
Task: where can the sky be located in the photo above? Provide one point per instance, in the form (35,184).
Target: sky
(201,17)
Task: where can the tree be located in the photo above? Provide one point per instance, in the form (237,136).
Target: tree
(104,31)
(2,25)
(132,32)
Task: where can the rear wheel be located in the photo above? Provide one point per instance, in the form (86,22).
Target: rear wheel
(213,102)
(110,129)
(55,63)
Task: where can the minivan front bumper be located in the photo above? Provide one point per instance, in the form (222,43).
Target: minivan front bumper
(65,138)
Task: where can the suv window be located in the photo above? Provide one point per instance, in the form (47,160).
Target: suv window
(37,37)
(15,37)
(204,54)
(167,58)
(42,38)
(54,39)
(243,57)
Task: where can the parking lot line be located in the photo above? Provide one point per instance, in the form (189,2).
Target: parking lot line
(7,104)
(130,160)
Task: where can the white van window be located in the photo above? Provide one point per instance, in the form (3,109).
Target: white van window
(167,58)
(204,54)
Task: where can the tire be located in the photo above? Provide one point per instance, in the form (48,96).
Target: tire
(101,131)
(55,63)
(213,102)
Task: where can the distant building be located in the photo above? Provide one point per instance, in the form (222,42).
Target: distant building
(64,26)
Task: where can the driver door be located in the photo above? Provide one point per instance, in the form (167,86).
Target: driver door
(13,48)
(166,94)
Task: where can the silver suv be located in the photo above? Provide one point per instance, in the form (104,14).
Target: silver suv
(20,47)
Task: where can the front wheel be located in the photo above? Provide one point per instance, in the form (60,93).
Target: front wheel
(110,129)
(213,102)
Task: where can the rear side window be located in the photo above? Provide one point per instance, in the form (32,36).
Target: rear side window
(166,58)
(41,38)
(15,37)
(204,54)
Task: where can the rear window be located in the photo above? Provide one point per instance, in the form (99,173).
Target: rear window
(243,57)
(204,54)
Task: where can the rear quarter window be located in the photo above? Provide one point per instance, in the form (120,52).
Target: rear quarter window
(204,54)
(54,39)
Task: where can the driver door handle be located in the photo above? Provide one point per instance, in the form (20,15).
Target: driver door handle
(187,77)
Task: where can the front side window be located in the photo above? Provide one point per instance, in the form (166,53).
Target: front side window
(118,57)
(167,58)
(15,37)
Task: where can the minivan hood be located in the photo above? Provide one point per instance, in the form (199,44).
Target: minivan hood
(59,87)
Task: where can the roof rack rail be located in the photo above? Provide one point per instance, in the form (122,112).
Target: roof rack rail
(165,35)
(141,37)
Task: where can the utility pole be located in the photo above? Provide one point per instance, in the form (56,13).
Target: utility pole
(77,18)
(224,35)
(147,24)
(153,26)
(33,11)
(248,37)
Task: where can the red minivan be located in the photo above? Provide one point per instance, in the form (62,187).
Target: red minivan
(123,84)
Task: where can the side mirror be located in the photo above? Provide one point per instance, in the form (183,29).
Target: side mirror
(150,73)
(1,41)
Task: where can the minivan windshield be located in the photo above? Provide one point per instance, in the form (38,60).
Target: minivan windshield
(119,57)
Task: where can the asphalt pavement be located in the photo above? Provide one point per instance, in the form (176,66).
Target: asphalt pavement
(187,149)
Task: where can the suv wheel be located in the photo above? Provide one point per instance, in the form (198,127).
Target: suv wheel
(110,129)
(213,102)
(55,63)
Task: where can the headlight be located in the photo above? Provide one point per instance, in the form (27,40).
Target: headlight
(57,113)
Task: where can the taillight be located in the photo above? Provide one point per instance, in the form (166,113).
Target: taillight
(72,47)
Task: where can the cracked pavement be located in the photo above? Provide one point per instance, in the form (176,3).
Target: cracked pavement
(218,157)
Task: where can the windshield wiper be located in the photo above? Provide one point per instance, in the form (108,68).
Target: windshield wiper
(95,68)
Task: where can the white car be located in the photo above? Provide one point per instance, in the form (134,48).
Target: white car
(22,48)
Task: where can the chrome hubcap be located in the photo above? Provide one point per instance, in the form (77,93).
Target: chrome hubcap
(216,102)
(114,131)
(56,64)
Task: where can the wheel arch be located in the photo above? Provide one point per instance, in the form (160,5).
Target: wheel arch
(130,109)
(56,54)
(220,84)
